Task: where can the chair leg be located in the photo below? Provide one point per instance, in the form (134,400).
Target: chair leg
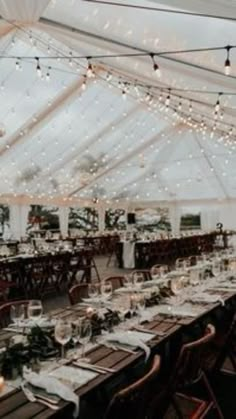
(212,396)
(177,408)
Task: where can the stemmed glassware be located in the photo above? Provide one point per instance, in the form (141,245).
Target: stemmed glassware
(140,306)
(85,333)
(35,310)
(138,279)
(17,313)
(93,290)
(127,281)
(106,290)
(63,334)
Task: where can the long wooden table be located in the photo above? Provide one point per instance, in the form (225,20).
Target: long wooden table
(166,251)
(15,405)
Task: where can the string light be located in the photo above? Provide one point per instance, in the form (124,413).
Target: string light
(109,76)
(90,72)
(70,60)
(167,101)
(155,65)
(17,64)
(84,85)
(38,68)
(48,74)
(217,105)
(227,61)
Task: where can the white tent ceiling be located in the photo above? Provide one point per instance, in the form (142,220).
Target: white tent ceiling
(67,144)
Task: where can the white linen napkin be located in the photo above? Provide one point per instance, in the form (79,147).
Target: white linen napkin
(176,311)
(132,338)
(207,298)
(52,385)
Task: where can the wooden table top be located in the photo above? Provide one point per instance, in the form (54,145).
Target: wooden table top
(15,405)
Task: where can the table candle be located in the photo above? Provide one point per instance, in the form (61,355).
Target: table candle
(89,312)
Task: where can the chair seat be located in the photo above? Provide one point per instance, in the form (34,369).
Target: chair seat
(191,407)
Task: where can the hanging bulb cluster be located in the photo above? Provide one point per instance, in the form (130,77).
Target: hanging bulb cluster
(155,65)
(227,61)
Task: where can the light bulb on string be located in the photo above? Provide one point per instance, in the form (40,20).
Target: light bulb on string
(84,85)
(70,60)
(179,106)
(227,61)
(30,37)
(90,72)
(190,107)
(155,65)
(124,94)
(108,76)
(217,105)
(38,68)
(17,64)
(48,74)
(167,101)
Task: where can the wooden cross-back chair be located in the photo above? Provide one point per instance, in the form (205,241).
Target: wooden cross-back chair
(116,281)
(189,371)
(5,310)
(77,293)
(222,352)
(134,400)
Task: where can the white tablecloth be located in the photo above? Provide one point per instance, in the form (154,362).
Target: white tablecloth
(129,255)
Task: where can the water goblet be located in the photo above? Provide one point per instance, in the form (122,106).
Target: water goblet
(85,333)
(63,334)
(35,310)
(17,313)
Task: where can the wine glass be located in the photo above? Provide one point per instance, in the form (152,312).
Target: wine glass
(138,279)
(93,290)
(85,333)
(140,305)
(63,334)
(127,281)
(106,289)
(17,313)
(35,310)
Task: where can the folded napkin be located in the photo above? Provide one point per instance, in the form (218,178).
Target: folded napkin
(154,282)
(176,311)
(207,298)
(52,385)
(131,338)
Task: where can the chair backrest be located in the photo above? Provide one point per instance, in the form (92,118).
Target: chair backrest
(116,281)
(223,350)
(134,400)
(77,293)
(190,362)
(5,310)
